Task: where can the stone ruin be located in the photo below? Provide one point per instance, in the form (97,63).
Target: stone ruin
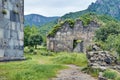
(101,58)
(98,58)
(11,29)
(73,39)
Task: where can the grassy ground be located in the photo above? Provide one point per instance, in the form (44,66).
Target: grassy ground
(41,66)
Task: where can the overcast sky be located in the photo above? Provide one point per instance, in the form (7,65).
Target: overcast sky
(55,7)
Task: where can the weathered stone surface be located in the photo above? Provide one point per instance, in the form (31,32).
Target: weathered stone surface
(11,29)
(1,53)
(101,76)
(64,39)
(100,58)
(1,33)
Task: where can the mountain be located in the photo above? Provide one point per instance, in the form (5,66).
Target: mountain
(38,20)
(107,7)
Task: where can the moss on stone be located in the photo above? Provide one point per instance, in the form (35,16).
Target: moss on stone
(54,30)
(71,22)
(58,26)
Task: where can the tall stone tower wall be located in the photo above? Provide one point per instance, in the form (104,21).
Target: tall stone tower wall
(11,29)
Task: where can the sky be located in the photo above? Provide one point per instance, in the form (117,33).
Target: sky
(55,7)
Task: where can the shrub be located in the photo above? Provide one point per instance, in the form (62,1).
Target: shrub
(110,74)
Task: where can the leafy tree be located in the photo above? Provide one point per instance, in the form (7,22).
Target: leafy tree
(113,43)
(111,28)
(35,40)
(27,33)
(32,36)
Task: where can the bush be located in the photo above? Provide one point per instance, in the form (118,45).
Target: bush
(110,74)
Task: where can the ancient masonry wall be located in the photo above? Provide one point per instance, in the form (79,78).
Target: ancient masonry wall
(11,29)
(66,36)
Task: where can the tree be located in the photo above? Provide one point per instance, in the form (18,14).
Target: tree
(27,33)
(35,40)
(111,28)
(32,36)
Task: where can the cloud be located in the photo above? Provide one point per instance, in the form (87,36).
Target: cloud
(55,7)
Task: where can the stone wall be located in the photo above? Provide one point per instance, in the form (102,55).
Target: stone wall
(11,29)
(66,36)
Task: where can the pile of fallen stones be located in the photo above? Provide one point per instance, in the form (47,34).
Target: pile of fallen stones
(101,58)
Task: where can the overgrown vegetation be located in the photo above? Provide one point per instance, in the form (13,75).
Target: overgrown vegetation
(111,74)
(32,36)
(58,26)
(41,66)
(71,58)
(108,36)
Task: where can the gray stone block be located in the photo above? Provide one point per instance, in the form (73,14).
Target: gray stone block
(1,53)
(1,33)
(11,29)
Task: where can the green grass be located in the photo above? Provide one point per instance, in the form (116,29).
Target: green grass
(38,67)
(28,71)
(78,59)
(111,74)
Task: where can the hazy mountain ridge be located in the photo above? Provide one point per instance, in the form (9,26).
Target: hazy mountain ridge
(38,20)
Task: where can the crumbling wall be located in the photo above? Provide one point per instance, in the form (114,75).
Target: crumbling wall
(65,36)
(11,29)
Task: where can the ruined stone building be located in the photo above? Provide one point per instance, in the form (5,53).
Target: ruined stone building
(72,38)
(11,29)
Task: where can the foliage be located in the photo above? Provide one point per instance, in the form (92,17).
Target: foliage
(113,43)
(35,39)
(59,25)
(110,74)
(54,30)
(111,28)
(108,36)
(44,29)
(32,37)
(87,18)
(71,58)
